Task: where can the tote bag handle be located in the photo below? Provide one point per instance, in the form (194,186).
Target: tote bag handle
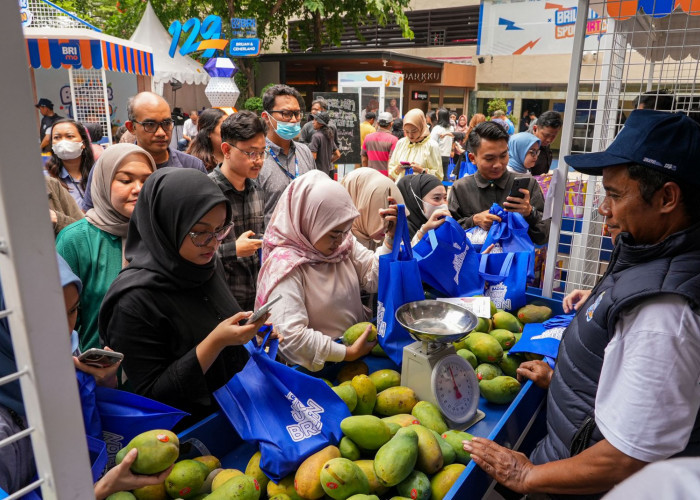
(505,267)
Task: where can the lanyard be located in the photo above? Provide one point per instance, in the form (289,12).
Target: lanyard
(296,164)
(76,185)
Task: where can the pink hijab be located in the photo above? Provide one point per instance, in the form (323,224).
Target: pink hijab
(309,208)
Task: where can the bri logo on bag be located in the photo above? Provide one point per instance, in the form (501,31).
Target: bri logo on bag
(307,418)
(497,293)
(552,333)
(457,262)
(114,444)
(381,324)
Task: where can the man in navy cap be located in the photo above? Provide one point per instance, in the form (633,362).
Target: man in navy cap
(48,118)
(625,390)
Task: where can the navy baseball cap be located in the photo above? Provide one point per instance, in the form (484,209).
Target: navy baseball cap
(663,141)
(322,117)
(44,102)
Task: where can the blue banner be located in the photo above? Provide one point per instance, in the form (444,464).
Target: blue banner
(244,47)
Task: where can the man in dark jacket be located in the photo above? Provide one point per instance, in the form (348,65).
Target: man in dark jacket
(614,404)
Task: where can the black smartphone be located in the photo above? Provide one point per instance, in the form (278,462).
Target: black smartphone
(100,358)
(518,184)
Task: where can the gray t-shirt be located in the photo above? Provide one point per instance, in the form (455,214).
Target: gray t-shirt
(275,176)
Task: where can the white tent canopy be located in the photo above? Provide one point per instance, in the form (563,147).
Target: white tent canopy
(151,32)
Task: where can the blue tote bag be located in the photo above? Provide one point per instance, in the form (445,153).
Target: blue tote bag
(543,338)
(124,415)
(448,262)
(291,415)
(399,283)
(505,276)
(510,235)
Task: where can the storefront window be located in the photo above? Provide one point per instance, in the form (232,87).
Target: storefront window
(396,107)
(453,99)
(434,98)
(369,101)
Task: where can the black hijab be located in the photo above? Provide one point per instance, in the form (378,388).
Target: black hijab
(171,202)
(414,188)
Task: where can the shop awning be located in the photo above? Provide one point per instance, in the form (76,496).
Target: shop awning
(78,48)
(625,9)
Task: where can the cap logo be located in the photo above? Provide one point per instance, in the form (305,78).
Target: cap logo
(670,166)
(652,161)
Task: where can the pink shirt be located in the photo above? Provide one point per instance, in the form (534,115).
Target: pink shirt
(378,147)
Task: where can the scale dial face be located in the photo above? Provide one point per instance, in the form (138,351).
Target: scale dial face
(456,388)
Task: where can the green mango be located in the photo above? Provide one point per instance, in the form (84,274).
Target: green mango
(442,482)
(121,495)
(366,431)
(415,486)
(448,454)
(348,449)
(307,479)
(506,321)
(158,450)
(487,371)
(469,356)
(378,351)
(534,314)
(367,466)
(454,439)
(510,363)
(483,325)
(429,452)
(366,395)
(395,400)
(504,337)
(186,479)
(347,394)
(353,333)
(402,419)
(460,344)
(384,379)
(429,416)
(342,478)
(485,347)
(237,488)
(499,390)
(396,459)
(285,486)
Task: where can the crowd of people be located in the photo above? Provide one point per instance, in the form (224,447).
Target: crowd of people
(171,249)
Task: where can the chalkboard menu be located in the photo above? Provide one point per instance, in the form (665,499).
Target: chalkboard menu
(343,109)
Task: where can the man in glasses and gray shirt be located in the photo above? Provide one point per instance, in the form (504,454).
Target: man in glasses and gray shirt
(150,120)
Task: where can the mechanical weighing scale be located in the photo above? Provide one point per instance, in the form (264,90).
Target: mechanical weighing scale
(431,366)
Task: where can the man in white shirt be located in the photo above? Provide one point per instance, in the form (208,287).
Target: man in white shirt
(189,130)
(625,390)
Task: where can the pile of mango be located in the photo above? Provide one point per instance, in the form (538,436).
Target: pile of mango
(486,349)
(195,479)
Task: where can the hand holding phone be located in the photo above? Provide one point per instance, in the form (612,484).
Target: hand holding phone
(518,184)
(263,310)
(405,164)
(100,358)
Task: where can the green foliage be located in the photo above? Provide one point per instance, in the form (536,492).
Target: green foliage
(254,104)
(495,104)
(265,88)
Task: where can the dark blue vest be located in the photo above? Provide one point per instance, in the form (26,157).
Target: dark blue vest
(636,272)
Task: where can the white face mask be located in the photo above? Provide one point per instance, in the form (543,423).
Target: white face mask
(429,208)
(67,150)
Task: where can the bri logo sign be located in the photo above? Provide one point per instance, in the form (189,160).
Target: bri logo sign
(307,418)
(497,293)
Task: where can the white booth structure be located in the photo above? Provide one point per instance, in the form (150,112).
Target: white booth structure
(376,89)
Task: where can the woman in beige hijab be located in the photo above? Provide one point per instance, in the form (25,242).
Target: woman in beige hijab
(312,260)
(369,191)
(415,151)
(94,246)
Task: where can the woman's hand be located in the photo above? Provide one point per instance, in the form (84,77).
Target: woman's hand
(436,220)
(389,216)
(361,347)
(246,246)
(417,168)
(229,332)
(105,377)
(575,299)
(120,478)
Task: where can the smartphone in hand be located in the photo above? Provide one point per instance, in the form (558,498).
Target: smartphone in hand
(264,309)
(100,358)
(518,184)
(405,164)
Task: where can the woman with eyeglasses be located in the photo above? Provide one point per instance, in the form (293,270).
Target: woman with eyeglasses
(312,260)
(170,312)
(206,145)
(94,246)
(71,156)
(523,150)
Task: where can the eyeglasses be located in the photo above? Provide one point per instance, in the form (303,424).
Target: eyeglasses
(202,238)
(252,155)
(286,114)
(151,126)
(534,152)
(339,236)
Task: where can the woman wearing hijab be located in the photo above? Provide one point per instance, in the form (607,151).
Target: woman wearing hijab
(170,312)
(312,260)
(523,150)
(426,203)
(416,150)
(462,124)
(369,191)
(93,246)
